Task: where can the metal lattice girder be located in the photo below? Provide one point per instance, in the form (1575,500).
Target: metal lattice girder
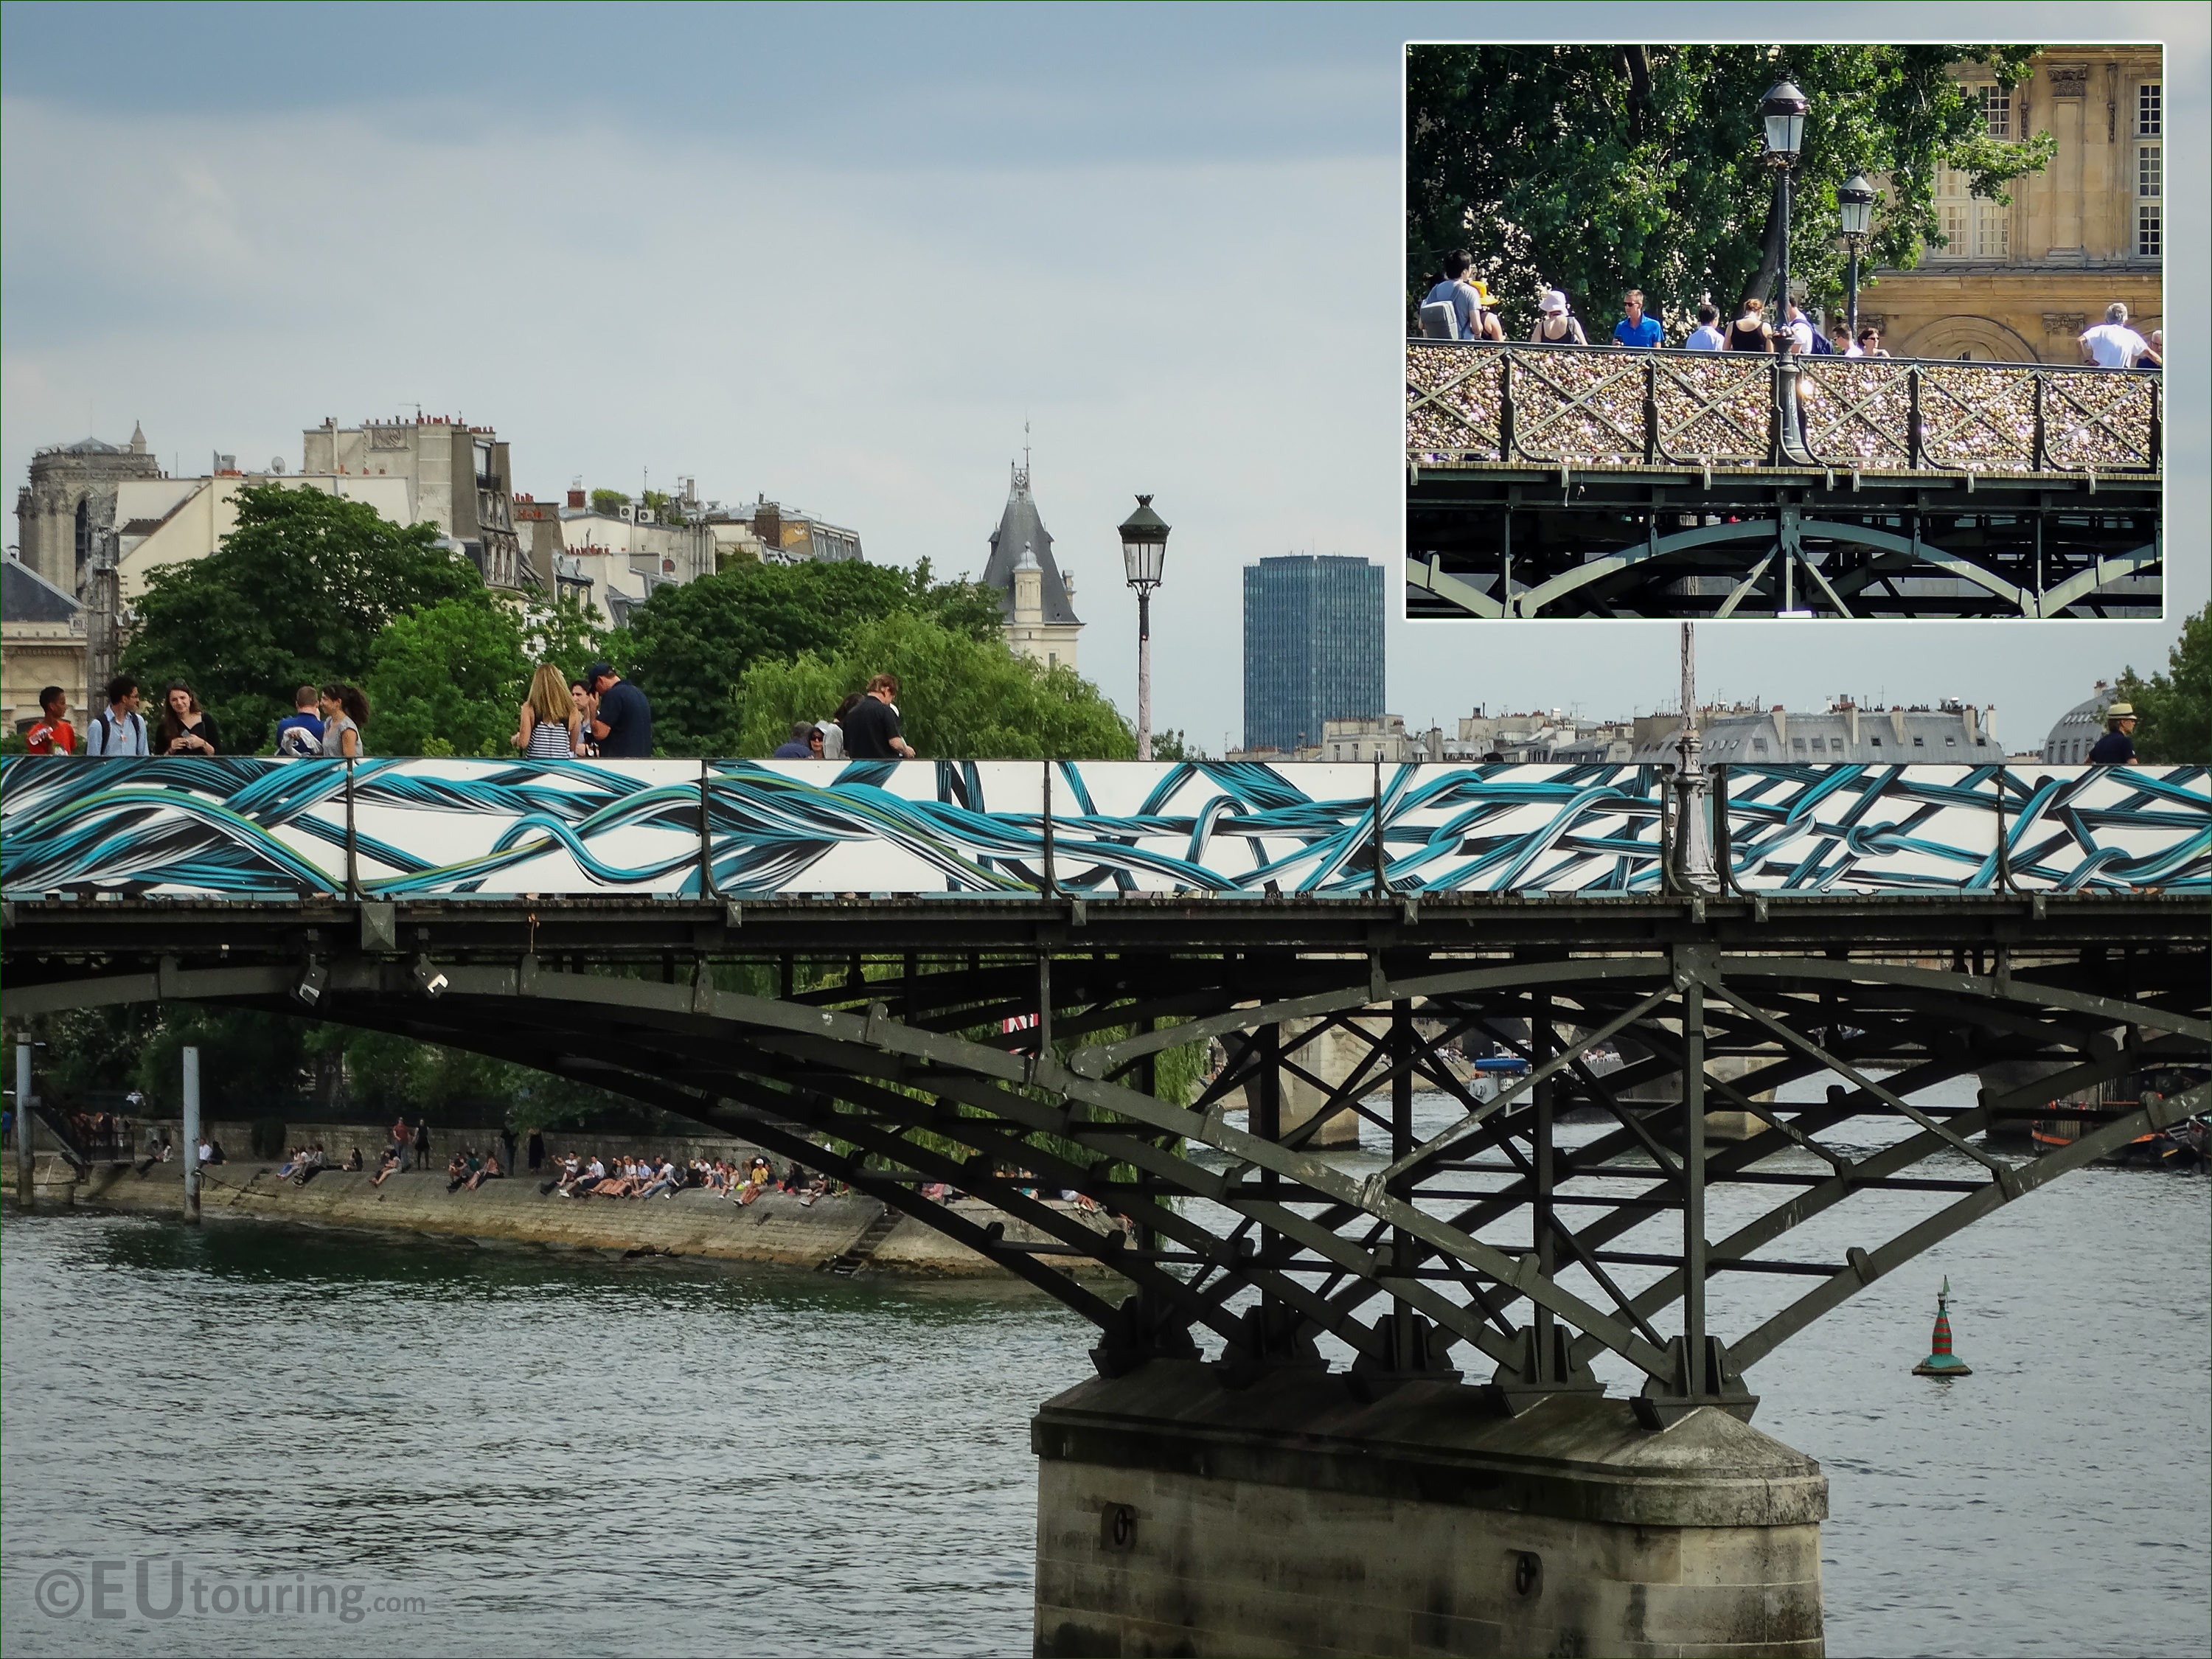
(903,1067)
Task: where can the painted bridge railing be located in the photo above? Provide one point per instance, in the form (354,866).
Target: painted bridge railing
(252,828)
(1477,401)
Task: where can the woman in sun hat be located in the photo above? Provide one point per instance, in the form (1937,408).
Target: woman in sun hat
(1555,326)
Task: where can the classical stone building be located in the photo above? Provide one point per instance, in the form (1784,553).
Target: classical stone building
(2019,283)
(1040,601)
(461,477)
(42,643)
(69,504)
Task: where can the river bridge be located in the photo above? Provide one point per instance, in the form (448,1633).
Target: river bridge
(966,973)
(1553,481)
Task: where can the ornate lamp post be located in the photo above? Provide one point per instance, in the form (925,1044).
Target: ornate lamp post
(1693,845)
(1144,556)
(1783,110)
(1855,209)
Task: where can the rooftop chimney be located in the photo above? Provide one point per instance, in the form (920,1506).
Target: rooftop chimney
(575,498)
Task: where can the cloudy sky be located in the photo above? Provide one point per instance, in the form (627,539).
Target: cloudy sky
(839,255)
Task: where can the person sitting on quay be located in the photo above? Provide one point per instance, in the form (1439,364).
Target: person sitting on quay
(293,1160)
(464,1164)
(622,1183)
(664,1182)
(353,1162)
(580,1185)
(387,1168)
(487,1171)
(311,1166)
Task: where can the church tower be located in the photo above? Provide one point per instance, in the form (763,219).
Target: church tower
(1038,597)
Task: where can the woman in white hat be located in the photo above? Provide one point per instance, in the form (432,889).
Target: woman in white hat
(1555,326)
(1749,332)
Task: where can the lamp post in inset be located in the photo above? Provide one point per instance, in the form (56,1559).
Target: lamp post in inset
(1783,110)
(1144,555)
(1855,209)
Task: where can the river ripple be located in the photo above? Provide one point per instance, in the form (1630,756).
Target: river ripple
(562,1453)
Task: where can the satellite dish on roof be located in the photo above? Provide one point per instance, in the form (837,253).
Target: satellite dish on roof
(275,466)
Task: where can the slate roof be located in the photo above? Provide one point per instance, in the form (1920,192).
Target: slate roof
(1020,526)
(26,596)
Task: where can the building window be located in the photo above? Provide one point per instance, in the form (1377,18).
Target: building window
(2150,112)
(1997,109)
(2150,189)
(1973,227)
(1920,742)
(1797,744)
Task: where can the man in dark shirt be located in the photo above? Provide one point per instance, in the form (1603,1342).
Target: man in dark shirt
(2118,746)
(623,725)
(872,731)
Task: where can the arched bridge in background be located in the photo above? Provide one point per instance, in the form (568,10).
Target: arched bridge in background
(1551,481)
(936,972)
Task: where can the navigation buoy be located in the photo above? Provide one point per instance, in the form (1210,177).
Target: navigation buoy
(1943,1362)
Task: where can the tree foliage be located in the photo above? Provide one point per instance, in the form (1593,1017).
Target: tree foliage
(2173,710)
(296,594)
(688,646)
(1595,169)
(960,698)
(448,679)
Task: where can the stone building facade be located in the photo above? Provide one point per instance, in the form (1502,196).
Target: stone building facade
(42,643)
(2019,283)
(462,479)
(69,506)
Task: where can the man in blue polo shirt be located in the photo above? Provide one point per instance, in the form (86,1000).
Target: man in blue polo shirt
(1636,329)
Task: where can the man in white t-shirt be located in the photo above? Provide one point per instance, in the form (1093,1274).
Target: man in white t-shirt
(1799,331)
(2113,343)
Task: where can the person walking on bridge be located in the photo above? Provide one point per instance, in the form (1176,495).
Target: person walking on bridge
(2118,746)
(346,711)
(119,729)
(624,722)
(187,728)
(873,729)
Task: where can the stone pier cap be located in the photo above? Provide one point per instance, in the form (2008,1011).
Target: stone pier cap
(1576,1456)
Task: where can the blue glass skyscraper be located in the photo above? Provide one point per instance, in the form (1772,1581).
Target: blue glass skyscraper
(1313,646)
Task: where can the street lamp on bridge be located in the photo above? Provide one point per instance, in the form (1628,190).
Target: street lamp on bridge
(1855,209)
(1144,557)
(1783,110)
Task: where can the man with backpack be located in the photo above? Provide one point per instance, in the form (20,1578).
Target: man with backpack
(299,733)
(119,729)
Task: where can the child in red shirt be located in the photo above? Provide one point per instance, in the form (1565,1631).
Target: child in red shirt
(53,734)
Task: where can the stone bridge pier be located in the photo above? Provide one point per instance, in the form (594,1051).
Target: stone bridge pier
(1306,1514)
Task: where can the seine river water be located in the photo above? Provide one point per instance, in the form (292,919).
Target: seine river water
(448,1448)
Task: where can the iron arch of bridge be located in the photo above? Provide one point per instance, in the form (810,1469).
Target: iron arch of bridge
(1783,534)
(1247,1234)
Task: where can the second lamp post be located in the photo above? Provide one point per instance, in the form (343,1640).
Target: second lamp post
(1783,110)
(1855,209)
(1144,555)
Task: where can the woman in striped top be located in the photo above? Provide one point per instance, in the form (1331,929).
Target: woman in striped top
(551,728)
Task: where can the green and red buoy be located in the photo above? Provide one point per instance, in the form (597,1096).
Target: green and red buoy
(1943,1362)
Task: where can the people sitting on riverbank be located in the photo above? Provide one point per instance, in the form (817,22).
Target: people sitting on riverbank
(310,1166)
(465,1163)
(389,1167)
(664,1182)
(487,1171)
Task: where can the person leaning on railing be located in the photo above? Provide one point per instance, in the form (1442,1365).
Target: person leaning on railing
(2112,343)
(1555,326)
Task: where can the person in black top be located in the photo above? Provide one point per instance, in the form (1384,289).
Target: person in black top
(2118,746)
(872,730)
(624,723)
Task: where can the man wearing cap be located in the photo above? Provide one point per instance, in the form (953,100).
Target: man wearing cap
(1555,327)
(624,723)
(2118,746)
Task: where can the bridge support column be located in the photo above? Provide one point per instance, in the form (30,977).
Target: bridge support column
(1178,1515)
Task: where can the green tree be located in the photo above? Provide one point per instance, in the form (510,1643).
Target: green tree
(448,679)
(297,594)
(2173,710)
(688,645)
(568,634)
(960,698)
(1176,746)
(608,501)
(1596,169)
